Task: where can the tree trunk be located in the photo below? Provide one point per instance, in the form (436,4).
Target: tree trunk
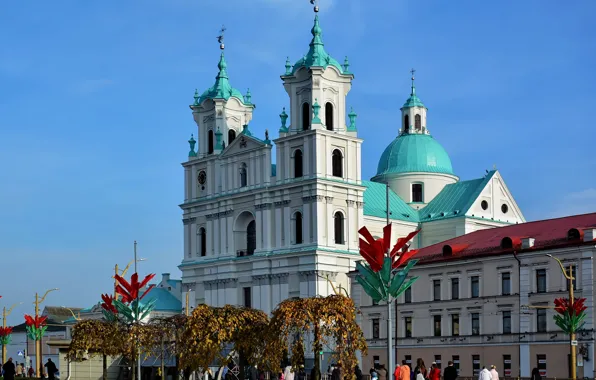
(105,367)
(318,347)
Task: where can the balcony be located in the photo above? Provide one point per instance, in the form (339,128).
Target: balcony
(244,252)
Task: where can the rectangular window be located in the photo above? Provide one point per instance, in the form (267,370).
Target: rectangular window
(506,322)
(436,290)
(438,361)
(455,324)
(476,365)
(247,297)
(541,359)
(408,295)
(541,281)
(375,328)
(408,360)
(455,288)
(541,320)
(376,360)
(437,325)
(475,324)
(408,324)
(506,283)
(575,276)
(416,192)
(507,365)
(455,359)
(475,287)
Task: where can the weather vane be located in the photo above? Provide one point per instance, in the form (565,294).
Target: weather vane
(413,72)
(220,38)
(316,4)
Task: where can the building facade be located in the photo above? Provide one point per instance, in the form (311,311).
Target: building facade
(257,232)
(474,303)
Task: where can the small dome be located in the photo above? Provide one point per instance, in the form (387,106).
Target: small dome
(410,153)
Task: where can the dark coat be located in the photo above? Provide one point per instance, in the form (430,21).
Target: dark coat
(9,370)
(450,373)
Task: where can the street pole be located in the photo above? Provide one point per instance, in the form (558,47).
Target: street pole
(5,314)
(389,312)
(38,352)
(137,319)
(115,281)
(571,336)
(187,309)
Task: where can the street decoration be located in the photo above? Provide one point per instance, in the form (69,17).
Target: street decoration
(36,326)
(5,335)
(570,315)
(128,307)
(380,276)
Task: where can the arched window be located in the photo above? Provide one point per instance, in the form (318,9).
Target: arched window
(231,136)
(406,124)
(203,238)
(243,175)
(417,122)
(305,116)
(339,227)
(210,141)
(251,237)
(329,116)
(298,227)
(298,163)
(337,163)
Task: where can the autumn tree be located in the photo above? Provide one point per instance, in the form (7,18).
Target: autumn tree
(330,320)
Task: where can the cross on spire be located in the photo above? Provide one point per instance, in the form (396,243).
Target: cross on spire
(413,71)
(316,4)
(220,38)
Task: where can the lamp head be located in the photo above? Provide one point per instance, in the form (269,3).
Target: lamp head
(549,255)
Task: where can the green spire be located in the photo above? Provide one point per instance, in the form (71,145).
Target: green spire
(196,97)
(413,100)
(352,115)
(288,66)
(284,117)
(192,142)
(316,55)
(222,89)
(248,97)
(315,110)
(218,145)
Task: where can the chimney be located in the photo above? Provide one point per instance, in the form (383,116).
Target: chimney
(589,234)
(165,277)
(527,242)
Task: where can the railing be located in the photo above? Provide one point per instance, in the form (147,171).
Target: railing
(244,252)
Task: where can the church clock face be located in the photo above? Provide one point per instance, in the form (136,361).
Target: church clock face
(202,177)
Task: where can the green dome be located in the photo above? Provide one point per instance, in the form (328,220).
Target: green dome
(410,153)
(222,89)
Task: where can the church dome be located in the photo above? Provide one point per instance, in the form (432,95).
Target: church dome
(410,153)
(222,89)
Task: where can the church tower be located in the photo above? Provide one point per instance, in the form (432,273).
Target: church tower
(221,111)
(319,152)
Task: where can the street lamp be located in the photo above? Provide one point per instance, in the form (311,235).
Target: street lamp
(38,352)
(5,314)
(572,342)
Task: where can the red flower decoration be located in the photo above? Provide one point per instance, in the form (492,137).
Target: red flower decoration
(107,303)
(5,331)
(562,306)
(130,291)
(37,322)
(374,251)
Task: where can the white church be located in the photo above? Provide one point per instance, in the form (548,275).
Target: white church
(257,232)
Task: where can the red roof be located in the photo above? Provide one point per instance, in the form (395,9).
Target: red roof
(549,233)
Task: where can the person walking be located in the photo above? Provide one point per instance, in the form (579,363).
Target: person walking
(358,373)
(404,371)
(382,372)
(9,370)
(420,372)
(396,371)
(536,374)
(493,372)
(435,372)
(450,373)
(484,374)
(51,369)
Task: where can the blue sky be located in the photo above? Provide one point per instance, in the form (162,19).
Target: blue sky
(94,113)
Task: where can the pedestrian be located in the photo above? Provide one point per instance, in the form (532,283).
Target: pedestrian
(484,374)
(19,369)
(51,369)
(493,372)
(420,372)
(396,371)
(358,373)
(404,371)
(382,372)
(536,374)
(373,374)
(435,372)
(9,370)
(450,373)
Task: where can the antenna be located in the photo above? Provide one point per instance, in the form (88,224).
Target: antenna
(220,38)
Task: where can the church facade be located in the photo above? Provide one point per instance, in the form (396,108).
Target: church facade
(258,232)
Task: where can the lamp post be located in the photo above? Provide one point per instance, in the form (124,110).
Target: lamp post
(5,314)
(38,352)
(569,276)
(137,317)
